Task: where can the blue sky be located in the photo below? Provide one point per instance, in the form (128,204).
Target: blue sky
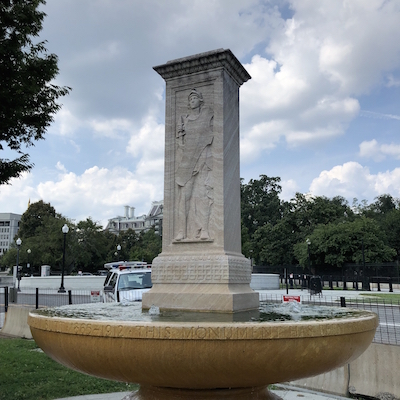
(322,110)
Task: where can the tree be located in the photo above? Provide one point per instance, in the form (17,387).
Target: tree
(391,226)
(89,245)
(383,205)
(306,213)
(260,203)
(27,98)
(34,217)
(335,244)
(275,244)
(46,245)
(147,248)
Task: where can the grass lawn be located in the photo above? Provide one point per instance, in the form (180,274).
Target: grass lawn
(383,297)
(27,373)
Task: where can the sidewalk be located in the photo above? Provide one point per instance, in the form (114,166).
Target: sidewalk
(286,392)
(326,294)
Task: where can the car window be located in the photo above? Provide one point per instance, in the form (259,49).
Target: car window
(137,280)
(109,273)
(113,280)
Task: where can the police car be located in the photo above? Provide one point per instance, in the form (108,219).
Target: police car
(125,283)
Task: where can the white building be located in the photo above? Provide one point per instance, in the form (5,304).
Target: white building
(138,224)
(9,225)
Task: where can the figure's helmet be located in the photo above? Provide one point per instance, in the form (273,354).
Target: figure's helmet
(196,93)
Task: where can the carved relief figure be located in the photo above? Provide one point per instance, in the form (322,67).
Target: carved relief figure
(193,174)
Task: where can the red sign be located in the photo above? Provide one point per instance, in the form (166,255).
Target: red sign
(291,298)
(95,296)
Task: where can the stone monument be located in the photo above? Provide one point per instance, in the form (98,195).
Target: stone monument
(201,267)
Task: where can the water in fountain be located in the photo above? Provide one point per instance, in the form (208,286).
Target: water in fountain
(133,312)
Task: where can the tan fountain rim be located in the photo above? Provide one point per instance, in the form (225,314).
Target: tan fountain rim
(204,330)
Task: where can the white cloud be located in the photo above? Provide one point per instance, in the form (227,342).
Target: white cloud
(61,167)
(352,180)
(261,137)
(392,81)
(318,62)
(23,186)
(111,127)
(289,189)
(65,123)
(378,152)
(372,114)
(98,192)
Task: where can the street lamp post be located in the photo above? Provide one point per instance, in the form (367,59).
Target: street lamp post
(308,241)
(27,264)
(118,250)
(19,241)
(64,230)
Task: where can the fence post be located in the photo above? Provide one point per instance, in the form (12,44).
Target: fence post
(69,296)
(379,283)
(37,298)
(342,302)
(344,283)
(330,282)
(390,285)
(6,298)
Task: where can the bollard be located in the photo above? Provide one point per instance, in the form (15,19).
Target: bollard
(6,298)
(13,295)
(37,298)
(342,302)
(390,285)
(330,282)
(69,296)
(344,284)
(379,283)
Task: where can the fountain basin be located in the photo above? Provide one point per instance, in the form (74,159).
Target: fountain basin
(203,355)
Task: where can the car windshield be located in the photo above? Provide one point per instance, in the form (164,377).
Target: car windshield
(136,280)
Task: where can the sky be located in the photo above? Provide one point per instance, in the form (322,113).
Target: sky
(322,110)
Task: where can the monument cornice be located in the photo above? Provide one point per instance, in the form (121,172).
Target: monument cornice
(204,62)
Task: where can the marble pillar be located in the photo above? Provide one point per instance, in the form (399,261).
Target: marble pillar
(201,267)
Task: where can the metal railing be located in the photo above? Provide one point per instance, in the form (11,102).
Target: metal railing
(388,331)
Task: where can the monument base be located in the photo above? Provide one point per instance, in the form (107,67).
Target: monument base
(201,282)
(227,298)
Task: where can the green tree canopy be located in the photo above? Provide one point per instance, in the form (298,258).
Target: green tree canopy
(260,202)
(27,98)
(335,244)
(147,248)
(35,217)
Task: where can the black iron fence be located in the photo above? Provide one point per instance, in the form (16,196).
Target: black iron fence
(388,310)
(332,282)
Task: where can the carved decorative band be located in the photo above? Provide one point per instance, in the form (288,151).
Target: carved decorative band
(198,269)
